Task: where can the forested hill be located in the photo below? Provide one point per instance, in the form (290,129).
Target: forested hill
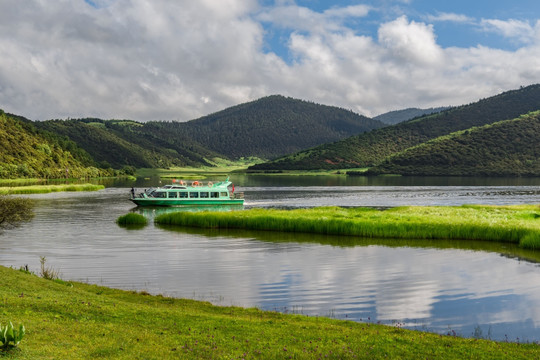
(264,128)
(27,152)
(372,148)
(506,148)
(397,116)
(120,143)
(270,127)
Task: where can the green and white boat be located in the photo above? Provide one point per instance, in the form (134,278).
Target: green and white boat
(190,193)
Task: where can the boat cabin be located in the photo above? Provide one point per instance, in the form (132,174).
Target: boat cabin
(172,193)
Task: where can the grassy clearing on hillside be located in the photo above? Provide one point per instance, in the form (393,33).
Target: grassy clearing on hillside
(42,189)
(516,224)
(185,173)
(69,320)
(222,167)
(221,171)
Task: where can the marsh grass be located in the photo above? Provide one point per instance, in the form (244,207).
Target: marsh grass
(132,221)
(516,224)
(88,321)
(43,189)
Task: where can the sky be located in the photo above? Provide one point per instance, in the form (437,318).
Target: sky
(182,59)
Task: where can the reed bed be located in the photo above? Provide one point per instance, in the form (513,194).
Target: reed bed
(42,189)
(132,219)
(516,224)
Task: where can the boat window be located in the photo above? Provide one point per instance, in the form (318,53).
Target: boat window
(193,194)
(183,194)
(173,194)
(223,194)
(160,194)
(214,194)
(204,194)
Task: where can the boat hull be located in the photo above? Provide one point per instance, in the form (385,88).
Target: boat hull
(180,202)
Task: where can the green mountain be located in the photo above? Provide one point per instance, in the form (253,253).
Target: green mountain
(397,116)
(119,143)
(272,126)
(372,148)
(27,152)
(264,128)
(505,148)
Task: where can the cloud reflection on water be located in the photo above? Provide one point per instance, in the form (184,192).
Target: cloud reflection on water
(458,286)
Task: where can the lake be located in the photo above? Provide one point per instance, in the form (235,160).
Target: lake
(467,288)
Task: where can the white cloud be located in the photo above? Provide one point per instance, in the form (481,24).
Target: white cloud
(299,18)
(161,59)
(410,41)
(516,29)
(348,11)
(450,17)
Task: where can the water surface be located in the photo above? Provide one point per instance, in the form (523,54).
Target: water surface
(482,289)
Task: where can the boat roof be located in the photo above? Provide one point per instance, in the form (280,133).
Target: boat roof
(199,185)
(174,187)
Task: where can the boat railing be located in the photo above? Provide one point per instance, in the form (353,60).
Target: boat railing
(237,195)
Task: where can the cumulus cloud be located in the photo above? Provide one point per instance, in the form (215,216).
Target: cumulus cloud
(516,29)
(178,60)
(410,41)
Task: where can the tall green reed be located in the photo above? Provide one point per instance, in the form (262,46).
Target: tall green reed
(518,224)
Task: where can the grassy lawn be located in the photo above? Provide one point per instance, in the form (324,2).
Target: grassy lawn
(517,224)
(69,320)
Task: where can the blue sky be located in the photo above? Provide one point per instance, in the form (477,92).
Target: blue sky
(457,23)
(179,60)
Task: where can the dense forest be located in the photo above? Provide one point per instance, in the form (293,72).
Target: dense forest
(505,148)
(397,116)
(372,148)
(264,128)
(29,152)
(272,126)
(122,143)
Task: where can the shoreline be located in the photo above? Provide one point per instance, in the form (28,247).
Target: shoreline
(44,189)
(66,319)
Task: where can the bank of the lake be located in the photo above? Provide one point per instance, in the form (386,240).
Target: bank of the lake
(81,321)
(43,189)
(517,224)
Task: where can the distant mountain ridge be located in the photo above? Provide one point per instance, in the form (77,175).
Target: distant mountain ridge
(372,148)
(397,116)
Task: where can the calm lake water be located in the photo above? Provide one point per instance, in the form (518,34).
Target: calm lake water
(472,289)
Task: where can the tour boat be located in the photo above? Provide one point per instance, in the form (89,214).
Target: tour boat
(189,193)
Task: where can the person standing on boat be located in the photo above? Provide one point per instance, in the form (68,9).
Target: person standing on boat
(132,192)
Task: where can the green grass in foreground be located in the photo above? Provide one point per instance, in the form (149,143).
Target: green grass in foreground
(69,320)
(42,189)
(518,224)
